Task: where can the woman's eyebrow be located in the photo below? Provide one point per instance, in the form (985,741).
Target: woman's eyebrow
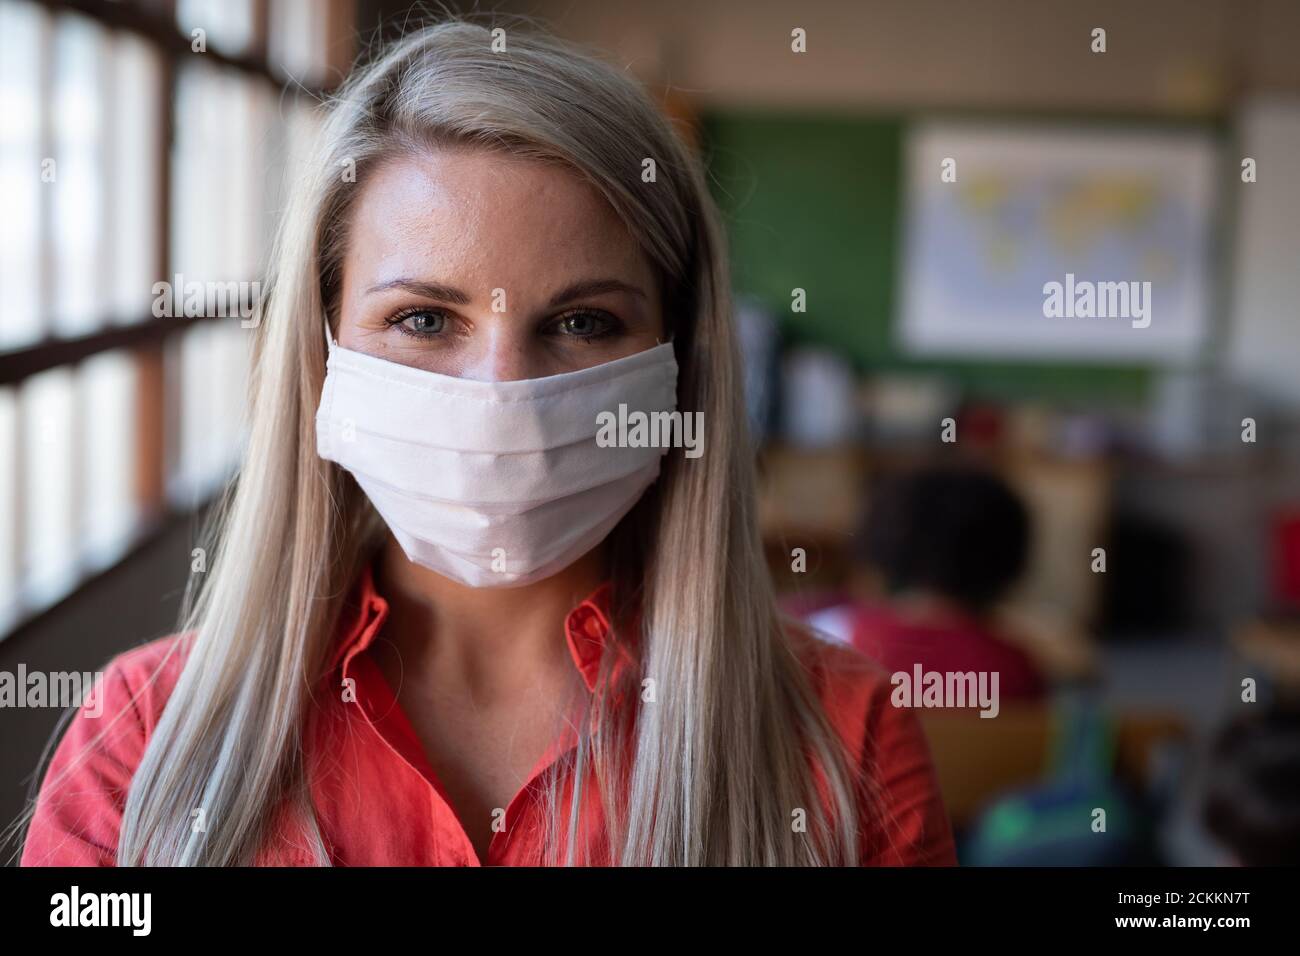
(592,287)
(427,290)
(446,293)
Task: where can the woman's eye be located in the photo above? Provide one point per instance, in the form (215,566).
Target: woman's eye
(583,324)
(421,322)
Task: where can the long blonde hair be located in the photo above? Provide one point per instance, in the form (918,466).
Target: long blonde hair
(736,744)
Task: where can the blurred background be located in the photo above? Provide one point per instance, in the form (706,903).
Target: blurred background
(1106,513)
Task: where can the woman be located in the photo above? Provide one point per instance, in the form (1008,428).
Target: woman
(446,623)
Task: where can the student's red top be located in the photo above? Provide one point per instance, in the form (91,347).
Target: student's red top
(376,797)
(952,642)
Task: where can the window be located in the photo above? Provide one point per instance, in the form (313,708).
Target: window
(22,45)
(129,159)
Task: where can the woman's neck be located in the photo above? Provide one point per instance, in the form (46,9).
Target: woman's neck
(488,641)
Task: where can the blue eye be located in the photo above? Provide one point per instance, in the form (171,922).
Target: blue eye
(585,324)
(420,321)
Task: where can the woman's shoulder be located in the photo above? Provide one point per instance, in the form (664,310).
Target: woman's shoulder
(138,682)
(891,749)
(850,684)
(78,811)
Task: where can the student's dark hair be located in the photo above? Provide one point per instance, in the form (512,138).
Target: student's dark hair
(1252,805)
(958,530)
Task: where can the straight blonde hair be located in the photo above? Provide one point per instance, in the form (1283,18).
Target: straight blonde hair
(737,742)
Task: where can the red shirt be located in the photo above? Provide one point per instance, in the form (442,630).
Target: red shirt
(376,797)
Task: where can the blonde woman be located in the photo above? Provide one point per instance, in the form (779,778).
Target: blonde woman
(463,610)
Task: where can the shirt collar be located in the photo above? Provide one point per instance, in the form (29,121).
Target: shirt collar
(586,627)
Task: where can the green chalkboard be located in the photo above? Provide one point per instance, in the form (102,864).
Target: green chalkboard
(815,202)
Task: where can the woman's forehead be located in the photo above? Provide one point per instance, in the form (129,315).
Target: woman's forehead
(485,219)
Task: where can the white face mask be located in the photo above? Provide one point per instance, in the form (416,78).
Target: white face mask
(493,484)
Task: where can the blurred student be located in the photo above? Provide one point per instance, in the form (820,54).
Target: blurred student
(947,543)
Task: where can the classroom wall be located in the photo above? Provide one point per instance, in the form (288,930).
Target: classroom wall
(815,201)
(1266,287)
(1177,56)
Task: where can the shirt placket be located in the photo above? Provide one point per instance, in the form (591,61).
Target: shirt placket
(586,630)
(386,718)
(389,723)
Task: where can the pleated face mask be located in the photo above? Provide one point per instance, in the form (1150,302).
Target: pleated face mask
(493,484)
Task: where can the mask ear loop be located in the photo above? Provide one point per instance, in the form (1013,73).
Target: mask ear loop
(330,344)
